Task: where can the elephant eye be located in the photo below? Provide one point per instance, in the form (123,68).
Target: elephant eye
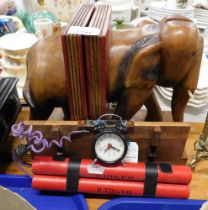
(151,72)
(193,54)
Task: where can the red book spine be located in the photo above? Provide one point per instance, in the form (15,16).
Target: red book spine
(45,165)
(105,46)
(82,78)
(68,77)
(89,86)
(99,186)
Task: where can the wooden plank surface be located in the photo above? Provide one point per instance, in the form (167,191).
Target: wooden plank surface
(171,142)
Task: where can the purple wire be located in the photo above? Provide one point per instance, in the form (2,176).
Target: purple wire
(20,164)
(36,139)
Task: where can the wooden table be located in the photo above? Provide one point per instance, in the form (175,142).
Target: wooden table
(199,184)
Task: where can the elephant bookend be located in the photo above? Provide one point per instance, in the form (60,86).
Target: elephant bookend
(167,53)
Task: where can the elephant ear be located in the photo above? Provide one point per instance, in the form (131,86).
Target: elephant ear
(142,61)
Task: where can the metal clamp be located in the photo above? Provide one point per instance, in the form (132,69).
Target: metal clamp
(201,146)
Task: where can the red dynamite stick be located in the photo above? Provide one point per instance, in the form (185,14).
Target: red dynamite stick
(99,186)
(45,165)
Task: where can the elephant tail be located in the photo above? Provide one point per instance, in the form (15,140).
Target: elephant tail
(27,95)
(26,90)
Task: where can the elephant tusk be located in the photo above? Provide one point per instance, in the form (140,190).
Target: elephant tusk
(190,94)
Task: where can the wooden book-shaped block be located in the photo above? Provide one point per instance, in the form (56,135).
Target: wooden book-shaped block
(97,48)
(74,62)
(85,46)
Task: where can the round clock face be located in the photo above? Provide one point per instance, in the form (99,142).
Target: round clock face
(110,148)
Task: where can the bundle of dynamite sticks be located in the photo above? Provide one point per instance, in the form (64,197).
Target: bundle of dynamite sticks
(131,179)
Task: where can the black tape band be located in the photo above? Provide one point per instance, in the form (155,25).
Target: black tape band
(165,168)
(150,183)
(72,179)
(58,157)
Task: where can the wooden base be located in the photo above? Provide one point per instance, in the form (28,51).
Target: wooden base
(166,139)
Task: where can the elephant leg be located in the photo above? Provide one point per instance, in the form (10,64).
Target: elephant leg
(41,112)
(131,101)
(65,108)
(153,108)
(179,101)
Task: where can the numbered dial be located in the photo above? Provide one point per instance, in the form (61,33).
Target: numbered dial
(110,147)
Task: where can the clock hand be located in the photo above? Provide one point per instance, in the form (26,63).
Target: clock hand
(118,150)
(108,147)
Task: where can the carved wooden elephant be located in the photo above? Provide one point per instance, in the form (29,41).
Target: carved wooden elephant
(166,54)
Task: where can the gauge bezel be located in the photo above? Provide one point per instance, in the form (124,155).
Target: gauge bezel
(108,131)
